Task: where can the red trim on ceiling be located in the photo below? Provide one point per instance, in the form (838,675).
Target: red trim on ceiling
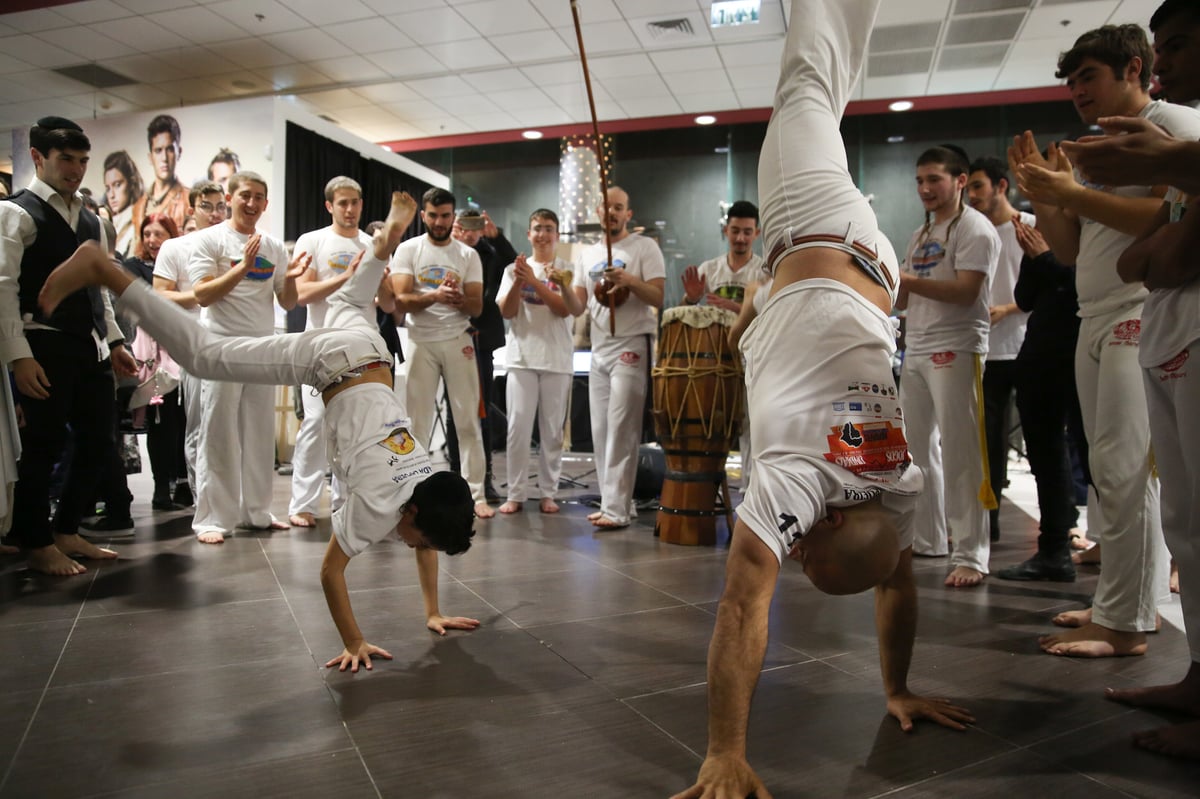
(11,6)
(1045,94)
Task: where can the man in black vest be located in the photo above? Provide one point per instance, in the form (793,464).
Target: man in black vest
(60,363)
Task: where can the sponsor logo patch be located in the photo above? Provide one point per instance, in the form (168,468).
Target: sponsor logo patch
(630,358)
(1176,363)
(873,451)
(1127,333)
(468,351)
(399,441)
(942,358)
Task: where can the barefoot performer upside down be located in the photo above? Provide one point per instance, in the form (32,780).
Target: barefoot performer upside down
(833,487)
(390,483)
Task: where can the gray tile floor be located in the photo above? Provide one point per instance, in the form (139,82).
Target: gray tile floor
(185,670)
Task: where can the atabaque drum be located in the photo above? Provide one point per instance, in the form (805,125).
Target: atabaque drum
(698,395)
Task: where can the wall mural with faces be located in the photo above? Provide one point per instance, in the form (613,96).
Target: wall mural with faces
(146,162)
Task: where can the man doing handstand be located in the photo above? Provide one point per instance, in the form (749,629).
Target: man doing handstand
(833,485)
(389,479)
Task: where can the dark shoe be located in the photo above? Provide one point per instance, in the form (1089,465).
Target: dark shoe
(165,503)
(183,495)
(108,526)
(489,491)
(1057,570)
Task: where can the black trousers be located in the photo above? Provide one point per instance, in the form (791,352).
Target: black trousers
(81,397)
(164,440)
(1049,408)
(999,381)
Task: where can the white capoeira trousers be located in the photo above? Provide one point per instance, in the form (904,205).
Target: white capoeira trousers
(453,361)
(191,430)
(1112,397)
(616,398)
(942,412)
(235,458)
(1172,397)
(530,393)
(309,458)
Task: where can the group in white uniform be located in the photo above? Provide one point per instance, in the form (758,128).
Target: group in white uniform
(945,288)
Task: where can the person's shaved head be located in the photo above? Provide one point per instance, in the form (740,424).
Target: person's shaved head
(851,550)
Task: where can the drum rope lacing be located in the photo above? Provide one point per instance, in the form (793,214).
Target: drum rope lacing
(692,371)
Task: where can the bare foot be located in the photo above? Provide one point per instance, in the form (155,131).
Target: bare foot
(304,519)
(278,525)
(594,516)
(483,511)
(1175,740)
(1182,697)
(512,506)
(78,545)
(964,577)
(548,505)
(1090,555)
(51,560)
(87,266)
(1080,541)
(605,523)
(1094,641)
(399,217)
(210,537)
(1174,578)
(1073,618)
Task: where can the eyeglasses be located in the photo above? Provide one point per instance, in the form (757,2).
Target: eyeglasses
(208,207)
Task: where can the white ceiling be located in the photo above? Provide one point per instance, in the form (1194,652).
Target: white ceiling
(405,69)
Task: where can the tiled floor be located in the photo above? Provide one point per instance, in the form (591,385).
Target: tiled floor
(185,670)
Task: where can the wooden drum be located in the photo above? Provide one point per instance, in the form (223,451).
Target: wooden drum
(698,394)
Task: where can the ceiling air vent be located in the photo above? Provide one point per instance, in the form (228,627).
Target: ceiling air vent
(671,29)
(95,75)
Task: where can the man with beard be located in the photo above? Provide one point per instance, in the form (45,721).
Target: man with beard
(438,282)
(721,282)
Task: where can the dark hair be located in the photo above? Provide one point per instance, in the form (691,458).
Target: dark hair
(203,187)
(224,156)
(121,162)
(45,139)
(435,197)
(167,223)
(373,226)
(238,178)
(163,123)
(951,156)
(546,214)
(1171,9)
(995,169)
(1115,46)
(743,209)
(445,512)
(89,202)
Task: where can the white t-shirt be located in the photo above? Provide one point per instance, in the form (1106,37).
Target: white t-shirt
(248,310)
(973,246)
(430,265)
(639,255)
(1004,341)
(374,455)
(1097,283)
(726,283)
(537,337)
(172,264)
(1170,317)
(826,425)
(332,254)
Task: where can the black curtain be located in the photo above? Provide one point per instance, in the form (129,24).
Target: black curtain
(312,160)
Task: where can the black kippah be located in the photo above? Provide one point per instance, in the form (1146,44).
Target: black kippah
(58,123)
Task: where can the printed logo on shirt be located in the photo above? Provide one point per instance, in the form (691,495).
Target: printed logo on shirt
(732,291)
(262,269)
(1170,369)
(855,494)
(630,358)
(873,451)
(341,261)
(468,352)
(926,257)
(942,359)
(399,441)
(434,275)
(1127,333)
(596,272)
(530,295)
(839,406)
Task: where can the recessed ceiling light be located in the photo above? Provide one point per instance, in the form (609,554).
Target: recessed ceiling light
(705,119)
(384,146)
(532,134)
(901,105)
(895,139)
